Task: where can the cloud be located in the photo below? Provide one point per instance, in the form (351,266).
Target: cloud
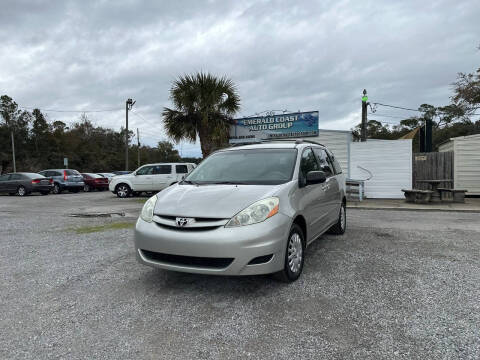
(314,55)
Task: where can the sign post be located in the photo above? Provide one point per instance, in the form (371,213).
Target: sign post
(65,162)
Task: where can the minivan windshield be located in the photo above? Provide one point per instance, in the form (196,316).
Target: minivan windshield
(250,167)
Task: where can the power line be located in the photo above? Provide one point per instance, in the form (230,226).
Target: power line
(67,111)
(409,109)
(396,107)
(389,116)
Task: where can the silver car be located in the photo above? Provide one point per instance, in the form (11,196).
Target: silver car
(245,210)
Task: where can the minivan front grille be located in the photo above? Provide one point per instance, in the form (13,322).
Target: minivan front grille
(197,219)
(193,261)
(197,228)
(193,224)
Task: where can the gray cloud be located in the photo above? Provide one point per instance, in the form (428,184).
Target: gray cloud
(313,55)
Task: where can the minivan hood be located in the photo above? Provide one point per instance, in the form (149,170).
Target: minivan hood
(210,201)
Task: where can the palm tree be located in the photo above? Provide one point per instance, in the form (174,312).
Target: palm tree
(204,105)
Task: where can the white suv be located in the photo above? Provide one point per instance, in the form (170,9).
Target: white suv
(150,177)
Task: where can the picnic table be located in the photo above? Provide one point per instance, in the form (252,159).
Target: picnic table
(434,187)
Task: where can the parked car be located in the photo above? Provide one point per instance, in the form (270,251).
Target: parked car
(109,176)
(245,210)
(64,179)
(94,182)
(148,178)
(25,183)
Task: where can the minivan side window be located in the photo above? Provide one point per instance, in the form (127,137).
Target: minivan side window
(308,163)
(162,169)
(146,170)
(336,164)
(324,161)
(181,169)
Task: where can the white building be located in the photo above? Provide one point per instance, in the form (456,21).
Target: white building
(385,165)
(466,162)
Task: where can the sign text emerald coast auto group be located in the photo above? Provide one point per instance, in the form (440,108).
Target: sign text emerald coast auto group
(275,126)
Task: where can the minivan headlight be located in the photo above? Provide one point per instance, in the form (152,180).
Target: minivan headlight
(147,210)
(255,213)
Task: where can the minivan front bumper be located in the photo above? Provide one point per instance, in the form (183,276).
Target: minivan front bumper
(230,250)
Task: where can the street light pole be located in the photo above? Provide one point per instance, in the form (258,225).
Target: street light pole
(128,106)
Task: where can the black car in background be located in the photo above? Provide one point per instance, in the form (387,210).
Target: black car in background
(23,183)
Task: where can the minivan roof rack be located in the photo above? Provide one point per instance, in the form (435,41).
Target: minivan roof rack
(297,141)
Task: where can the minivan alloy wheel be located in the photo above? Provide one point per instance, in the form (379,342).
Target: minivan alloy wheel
(295,252)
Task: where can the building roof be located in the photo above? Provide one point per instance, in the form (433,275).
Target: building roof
(460,138)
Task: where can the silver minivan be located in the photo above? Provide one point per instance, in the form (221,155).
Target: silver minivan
(245,210)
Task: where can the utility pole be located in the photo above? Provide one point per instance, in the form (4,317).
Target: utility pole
(13,151)
(138,147)
(128,106)
(363,134)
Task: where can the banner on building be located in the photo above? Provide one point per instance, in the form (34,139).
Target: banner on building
(292,125)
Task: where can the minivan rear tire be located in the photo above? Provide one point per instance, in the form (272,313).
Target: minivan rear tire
(341,224)
(293,265)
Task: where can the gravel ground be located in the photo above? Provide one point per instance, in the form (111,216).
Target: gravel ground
(397,285)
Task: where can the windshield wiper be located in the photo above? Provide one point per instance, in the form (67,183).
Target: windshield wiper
(228,183)
(189,182)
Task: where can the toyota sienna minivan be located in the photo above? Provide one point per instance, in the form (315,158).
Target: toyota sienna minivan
(245,210)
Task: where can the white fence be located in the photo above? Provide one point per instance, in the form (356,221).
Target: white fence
(388,161)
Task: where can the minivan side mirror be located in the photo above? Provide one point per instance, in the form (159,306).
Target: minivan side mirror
(315,177)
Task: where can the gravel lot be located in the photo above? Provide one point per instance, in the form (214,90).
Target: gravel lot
(397,285)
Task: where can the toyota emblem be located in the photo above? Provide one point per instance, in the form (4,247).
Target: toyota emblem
(181,221)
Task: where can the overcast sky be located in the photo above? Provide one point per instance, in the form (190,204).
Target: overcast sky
(282,55)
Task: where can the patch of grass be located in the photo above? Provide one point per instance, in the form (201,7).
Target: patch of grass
(99,228)
(141,201)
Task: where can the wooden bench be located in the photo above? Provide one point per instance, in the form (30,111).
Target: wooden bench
(454,195)
(418,196)
(355,190)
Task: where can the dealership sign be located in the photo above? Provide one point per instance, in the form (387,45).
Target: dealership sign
(299,124)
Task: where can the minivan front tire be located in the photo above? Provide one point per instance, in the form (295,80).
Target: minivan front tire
(294,255)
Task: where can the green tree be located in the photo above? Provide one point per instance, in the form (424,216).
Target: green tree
(467,91)
(167,153)
(203,105)
(15,123)
(39,127)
